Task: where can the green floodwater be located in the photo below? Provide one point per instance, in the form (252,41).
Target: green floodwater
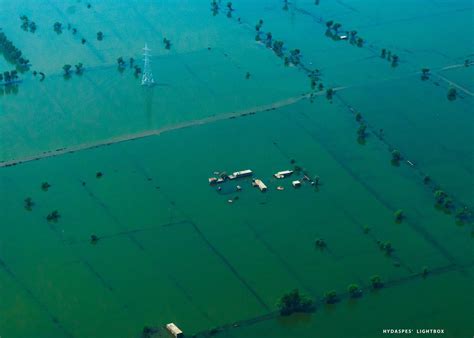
(171,247)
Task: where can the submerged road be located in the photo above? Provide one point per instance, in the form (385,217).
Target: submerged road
(154,132)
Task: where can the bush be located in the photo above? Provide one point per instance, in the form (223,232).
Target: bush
(294,302)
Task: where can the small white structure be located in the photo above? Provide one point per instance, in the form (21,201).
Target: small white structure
(242,173)
(280,188)
(296,184)
(174,330)
(258,183)
(283,174)
(343,37)
(212,180)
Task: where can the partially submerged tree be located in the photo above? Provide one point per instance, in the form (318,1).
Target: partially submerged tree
(329,93)
(94,239)
(167,43)
(395,59)
(120,62)
(398,215)
(463,215)
(330,297)
(67,70)
(53,216)
(29,203)
(424,271)
(396,157)
(320,243)
(354,290)
(58,27)
(294,302)
(278,47)
(361,132)
(386,247)
(425,74)
(79,68)
(452,94)
(376,282)
(45,186)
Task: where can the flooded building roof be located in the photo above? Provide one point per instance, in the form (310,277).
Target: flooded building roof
(174,330)
(283,174)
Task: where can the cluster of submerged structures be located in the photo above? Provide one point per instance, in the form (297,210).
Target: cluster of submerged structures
(221,178)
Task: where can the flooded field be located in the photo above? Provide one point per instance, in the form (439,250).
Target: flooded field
(109,227)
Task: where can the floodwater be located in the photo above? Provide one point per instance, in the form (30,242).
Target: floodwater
(171,248)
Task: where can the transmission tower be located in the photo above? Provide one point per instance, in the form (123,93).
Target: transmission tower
(147,79)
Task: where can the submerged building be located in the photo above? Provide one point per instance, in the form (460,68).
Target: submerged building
(174,330)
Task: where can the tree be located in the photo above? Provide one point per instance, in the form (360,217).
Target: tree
(398,215)
(425,73)
(361,134)
(94,239)
(395,60)
(452,94)
(45,186)
(53,216)
(360,42)
(32,26)
(278,48)
(463,215)
(100,36)
(294,302)
(376,282)
(67,70)
(29,203)
(79,68)
(138,70)
(320,243)
(167,43)
(120,62)
(354,290)
(386,246)
(426,179)
(424,271)
(358,117)
(440,196)
(58,27)
(329,24)
(383,53)
(396,156)
(330,297)
(329,93)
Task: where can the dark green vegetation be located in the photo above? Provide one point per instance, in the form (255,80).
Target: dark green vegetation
(12,54)
(294,302)
(27,25)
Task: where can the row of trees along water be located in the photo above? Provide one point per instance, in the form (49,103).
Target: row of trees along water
(14,56)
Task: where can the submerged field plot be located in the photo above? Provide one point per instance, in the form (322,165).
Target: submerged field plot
(110,228)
